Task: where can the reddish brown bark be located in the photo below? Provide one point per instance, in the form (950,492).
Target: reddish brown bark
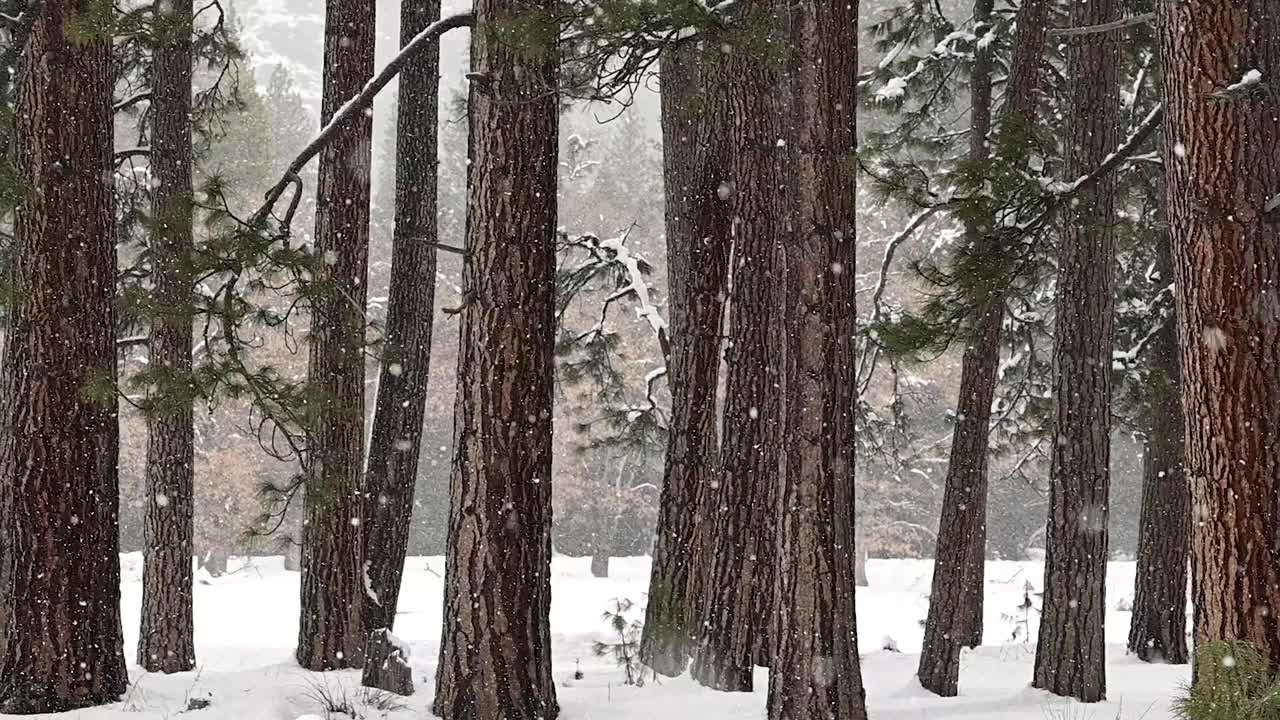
(1222,176)
(61,646)
(331,633)
(495,654)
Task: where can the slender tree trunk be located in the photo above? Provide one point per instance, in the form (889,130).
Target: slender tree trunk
(698,242)
(1221,181)
(1071,650)
(166,640)
(61,647)
(396,439)
(735,601)
(816,674)
(1157,629)
(955,602)
(495,654)
(332,630)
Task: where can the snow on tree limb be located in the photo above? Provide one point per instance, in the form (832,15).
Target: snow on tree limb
(361,102)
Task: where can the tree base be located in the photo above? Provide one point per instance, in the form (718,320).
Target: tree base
(386,664)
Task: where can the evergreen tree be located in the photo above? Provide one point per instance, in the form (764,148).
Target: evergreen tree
(1071,648)
(495,652)
(698,241)
(332,630)
(166,639)
(815,673)
(1222,175)
(406,353)
(61,644)
(736,590)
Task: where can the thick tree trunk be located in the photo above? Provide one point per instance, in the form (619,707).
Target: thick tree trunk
(736,589)
(331,633)
(1221,181)
(1071,650)
(166,640)
(955,605)
(600,563)
(61,646)
(1157,629)
(406,357)
(816,674)
(698,242)
(495,654)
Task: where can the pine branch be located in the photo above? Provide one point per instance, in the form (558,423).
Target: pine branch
(132,100)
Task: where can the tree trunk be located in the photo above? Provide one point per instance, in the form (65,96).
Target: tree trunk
(495,654)
(735,598)
(166,640)
(61,648)
(1157,628)
(698,241)
(1071,650)
(406,357)
(860,563)
(955,605)
(1221,181)
(816,674)
(331,633)
(600,562)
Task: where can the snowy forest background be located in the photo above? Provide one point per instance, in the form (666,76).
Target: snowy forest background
(606,494)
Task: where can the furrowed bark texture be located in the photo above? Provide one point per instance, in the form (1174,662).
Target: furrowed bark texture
(698,243)
(1222,175)
(61,647)
(396,439)
(1071,649)
(816,673)
(955,608)
(332,633)
(166,639)
(495,654)
(735,600)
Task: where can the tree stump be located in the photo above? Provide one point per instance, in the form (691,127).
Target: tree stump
(386,664)
(600,564)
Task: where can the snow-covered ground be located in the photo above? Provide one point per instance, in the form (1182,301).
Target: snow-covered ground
(246,624)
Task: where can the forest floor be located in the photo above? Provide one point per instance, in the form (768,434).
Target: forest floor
(246,623)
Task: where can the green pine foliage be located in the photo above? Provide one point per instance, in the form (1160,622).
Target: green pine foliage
(1234,681)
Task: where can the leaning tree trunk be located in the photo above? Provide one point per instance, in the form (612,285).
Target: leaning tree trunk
(955,601)
(331,633)
(495,653)
(62,647)
(1071,650)
(816,674)
(697,224)
(1221,182)
(735,598)
(165,641)
(396,439)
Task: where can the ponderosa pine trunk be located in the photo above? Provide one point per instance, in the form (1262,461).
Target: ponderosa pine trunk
(166,639)
(698,244)
(816,673)
(61,646)
(736,591)
(332,633)
(955,601)
(396,439)
(1071,648)
(1222,176)
(495,652)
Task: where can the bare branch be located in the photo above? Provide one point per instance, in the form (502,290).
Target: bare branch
(1142,19)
